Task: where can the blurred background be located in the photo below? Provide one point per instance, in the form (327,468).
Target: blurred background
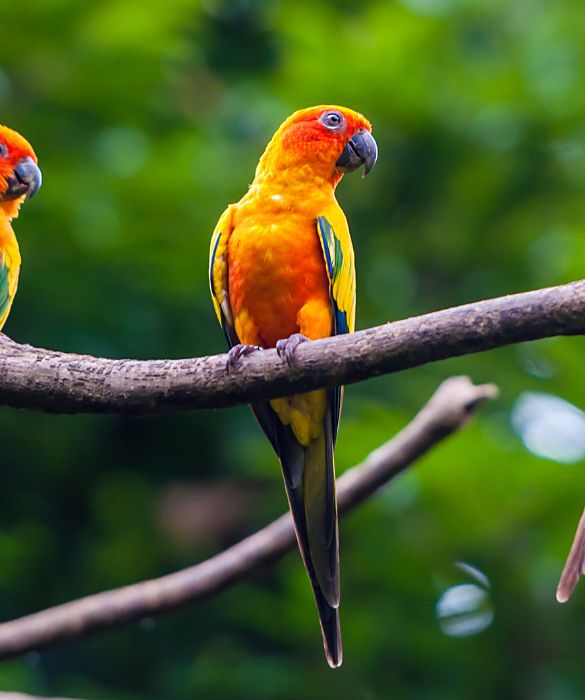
(149,118)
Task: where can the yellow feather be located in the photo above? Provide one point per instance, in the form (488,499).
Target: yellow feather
(218,268)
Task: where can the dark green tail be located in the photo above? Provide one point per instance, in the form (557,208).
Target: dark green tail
(309,478)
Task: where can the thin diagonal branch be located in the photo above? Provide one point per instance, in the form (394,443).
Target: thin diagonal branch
(449,409)
(575,564)
(67,383)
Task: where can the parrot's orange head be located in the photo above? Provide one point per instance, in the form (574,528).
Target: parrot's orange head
(330,140)
(20,176)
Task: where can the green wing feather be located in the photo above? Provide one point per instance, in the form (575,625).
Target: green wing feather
(5,298)
(340,266)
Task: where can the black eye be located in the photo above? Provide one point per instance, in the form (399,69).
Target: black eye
(332,120)
(3,150)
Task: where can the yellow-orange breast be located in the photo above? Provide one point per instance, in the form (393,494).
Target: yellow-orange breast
(277,278)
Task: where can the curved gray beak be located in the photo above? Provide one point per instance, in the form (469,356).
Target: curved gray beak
(360,150)
(27,180)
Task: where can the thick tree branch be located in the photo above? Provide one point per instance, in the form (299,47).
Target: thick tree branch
(449,409)
(59,382)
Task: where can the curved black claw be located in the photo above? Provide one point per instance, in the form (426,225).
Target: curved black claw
(237,352)
(287,346)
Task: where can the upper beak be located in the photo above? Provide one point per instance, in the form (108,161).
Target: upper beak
(26,180)
(360,150)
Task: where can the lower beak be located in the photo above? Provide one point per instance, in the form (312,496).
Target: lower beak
(26,180)
(360,150)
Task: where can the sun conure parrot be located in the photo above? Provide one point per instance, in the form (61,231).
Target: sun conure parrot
(281,272)
(20,178)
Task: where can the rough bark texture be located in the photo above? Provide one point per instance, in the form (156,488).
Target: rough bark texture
(58,382)
(449,409)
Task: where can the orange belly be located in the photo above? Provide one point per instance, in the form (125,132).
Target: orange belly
(277,280)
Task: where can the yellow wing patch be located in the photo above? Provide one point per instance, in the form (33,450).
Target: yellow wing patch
(218,269)
(9,269)
(340,264)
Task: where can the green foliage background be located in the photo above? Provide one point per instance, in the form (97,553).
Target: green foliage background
(148,118)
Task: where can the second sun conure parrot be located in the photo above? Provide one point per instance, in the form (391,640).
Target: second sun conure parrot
(281,272)
(20,178)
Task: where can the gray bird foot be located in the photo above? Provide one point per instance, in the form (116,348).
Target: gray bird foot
(237,352)
(287,346)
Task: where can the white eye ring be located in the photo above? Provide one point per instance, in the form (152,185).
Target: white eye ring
(332,120)
(3,150)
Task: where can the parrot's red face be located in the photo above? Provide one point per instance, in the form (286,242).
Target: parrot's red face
(336,139)
(19,173)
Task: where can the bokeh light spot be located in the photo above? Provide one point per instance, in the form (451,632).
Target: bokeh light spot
(464,607)
(550,427)
(464,610)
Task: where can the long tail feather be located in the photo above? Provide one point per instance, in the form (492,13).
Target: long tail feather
(309,477)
